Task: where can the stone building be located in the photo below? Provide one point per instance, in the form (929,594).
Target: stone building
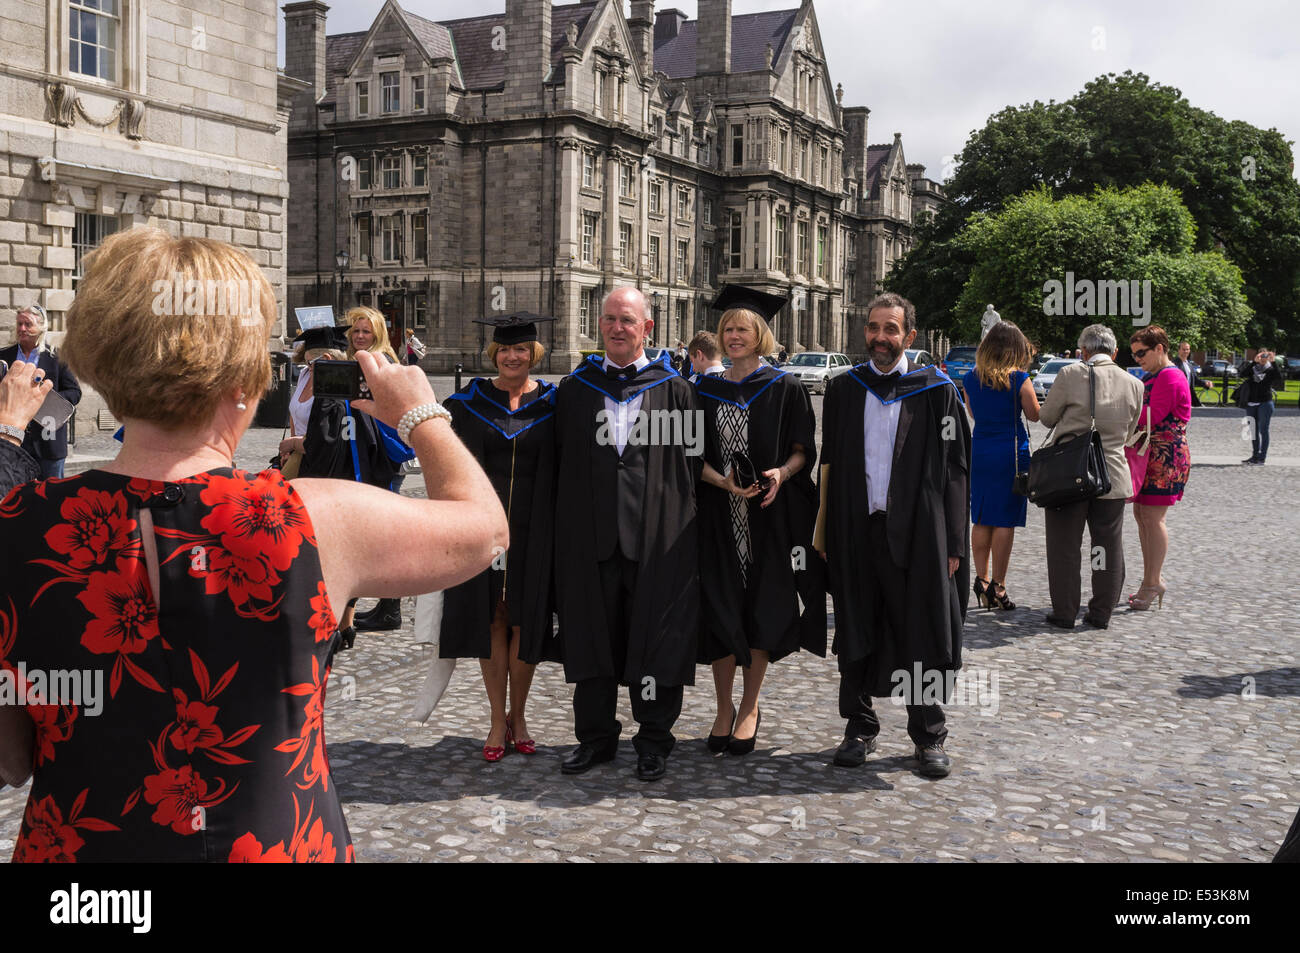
(538,158)
(117,113)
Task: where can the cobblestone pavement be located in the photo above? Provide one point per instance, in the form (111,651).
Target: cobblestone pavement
(1170,736)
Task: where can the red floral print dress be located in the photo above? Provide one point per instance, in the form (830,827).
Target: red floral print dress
(206,741)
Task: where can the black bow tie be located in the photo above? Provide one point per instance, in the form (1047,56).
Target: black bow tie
(616,373)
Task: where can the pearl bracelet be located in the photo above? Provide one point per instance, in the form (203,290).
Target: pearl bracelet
(418,415)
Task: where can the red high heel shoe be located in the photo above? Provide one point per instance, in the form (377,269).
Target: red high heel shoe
(522,745)
(495,753)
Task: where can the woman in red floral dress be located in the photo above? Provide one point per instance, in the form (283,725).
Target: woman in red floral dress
(166,622)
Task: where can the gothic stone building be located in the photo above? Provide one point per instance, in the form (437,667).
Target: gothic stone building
(117,113)
(539,158)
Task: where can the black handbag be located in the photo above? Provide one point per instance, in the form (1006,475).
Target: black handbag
(746,473)
(1074,468)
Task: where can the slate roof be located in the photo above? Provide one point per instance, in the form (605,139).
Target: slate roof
(468,41)
(876,156)
(750,34)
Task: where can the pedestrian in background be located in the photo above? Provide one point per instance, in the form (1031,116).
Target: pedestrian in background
(1259,378)
(51,452)
(415,349)
(998,391)
(704,353)
(1118,399)
(1166,409)
(1190,371)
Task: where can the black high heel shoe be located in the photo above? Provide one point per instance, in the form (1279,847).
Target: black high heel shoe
(740,746)
(981,588)
(995,600)
(719,743)
(346,638)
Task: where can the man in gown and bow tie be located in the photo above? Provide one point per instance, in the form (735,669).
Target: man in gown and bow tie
(894,526)
(626,565)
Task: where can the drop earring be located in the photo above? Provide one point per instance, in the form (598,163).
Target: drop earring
(241,405)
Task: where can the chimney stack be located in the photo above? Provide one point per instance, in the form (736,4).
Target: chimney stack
(668,23)
(528,53)
(642,25)
(304,44)
(713,38)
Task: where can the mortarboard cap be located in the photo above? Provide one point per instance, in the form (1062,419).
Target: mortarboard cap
(331,338)
(760,302)
(517,328)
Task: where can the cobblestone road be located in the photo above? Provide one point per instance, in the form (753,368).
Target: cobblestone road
(1169,737)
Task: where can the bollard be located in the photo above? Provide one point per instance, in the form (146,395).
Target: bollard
(460,368)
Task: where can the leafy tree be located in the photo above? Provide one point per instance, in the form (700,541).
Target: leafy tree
(1235,179)
(1055,266)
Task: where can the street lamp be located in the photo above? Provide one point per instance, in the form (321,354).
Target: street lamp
(341,260)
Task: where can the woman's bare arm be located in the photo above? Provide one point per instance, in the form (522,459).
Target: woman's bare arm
(377,543)
(1029,400)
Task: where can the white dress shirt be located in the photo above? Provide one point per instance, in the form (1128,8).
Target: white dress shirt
(879,428)
(621,417)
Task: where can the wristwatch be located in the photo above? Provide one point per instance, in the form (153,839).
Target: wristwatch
(418,415)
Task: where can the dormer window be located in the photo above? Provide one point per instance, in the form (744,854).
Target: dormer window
(93,30)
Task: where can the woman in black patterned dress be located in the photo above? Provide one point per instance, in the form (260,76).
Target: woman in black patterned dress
(756,559)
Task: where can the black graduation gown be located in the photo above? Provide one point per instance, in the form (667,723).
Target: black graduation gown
(664,636)
(502,441)
(767,616)
(327,454)
(927,520)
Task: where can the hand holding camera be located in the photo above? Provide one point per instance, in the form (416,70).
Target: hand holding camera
(392,388)
(21,395)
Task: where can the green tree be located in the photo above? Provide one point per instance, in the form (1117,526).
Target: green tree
(1235,179)
(1123,257)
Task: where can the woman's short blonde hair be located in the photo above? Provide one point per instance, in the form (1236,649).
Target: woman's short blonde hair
(378,326)
(766,342)
(165,328)
(535,354)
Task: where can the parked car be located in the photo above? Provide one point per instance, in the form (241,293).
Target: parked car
(1047,376)
(918,358)
(1037,363)
(814,369)
(958,361)
(1291,370)
(1218,368)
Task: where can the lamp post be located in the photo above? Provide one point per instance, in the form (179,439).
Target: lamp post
(341,260)
(655,312)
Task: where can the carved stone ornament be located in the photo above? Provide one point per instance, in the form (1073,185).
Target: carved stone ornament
(132,118)
(571,34)
(569,142)
(62,99)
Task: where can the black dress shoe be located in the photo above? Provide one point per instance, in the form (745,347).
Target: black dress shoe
(934,763)
(1095,623)
(718,743)
(1059,623)
(651,767)
(587,757)
(385,617)
(853,751)
(743,746)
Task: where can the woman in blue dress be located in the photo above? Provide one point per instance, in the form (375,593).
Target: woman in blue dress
(997,392)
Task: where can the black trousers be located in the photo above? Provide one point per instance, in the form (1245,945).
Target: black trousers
(595,700)
(1064,531)
(887,602)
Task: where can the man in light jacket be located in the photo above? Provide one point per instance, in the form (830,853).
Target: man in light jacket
(1119,402)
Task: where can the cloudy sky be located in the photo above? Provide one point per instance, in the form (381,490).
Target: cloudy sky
(936,71)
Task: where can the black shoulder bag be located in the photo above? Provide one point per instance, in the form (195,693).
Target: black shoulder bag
(1074,468)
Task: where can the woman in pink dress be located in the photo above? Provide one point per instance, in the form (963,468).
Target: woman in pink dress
(1167,406)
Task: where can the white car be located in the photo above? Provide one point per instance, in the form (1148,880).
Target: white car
(1043,382)
(814,369)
